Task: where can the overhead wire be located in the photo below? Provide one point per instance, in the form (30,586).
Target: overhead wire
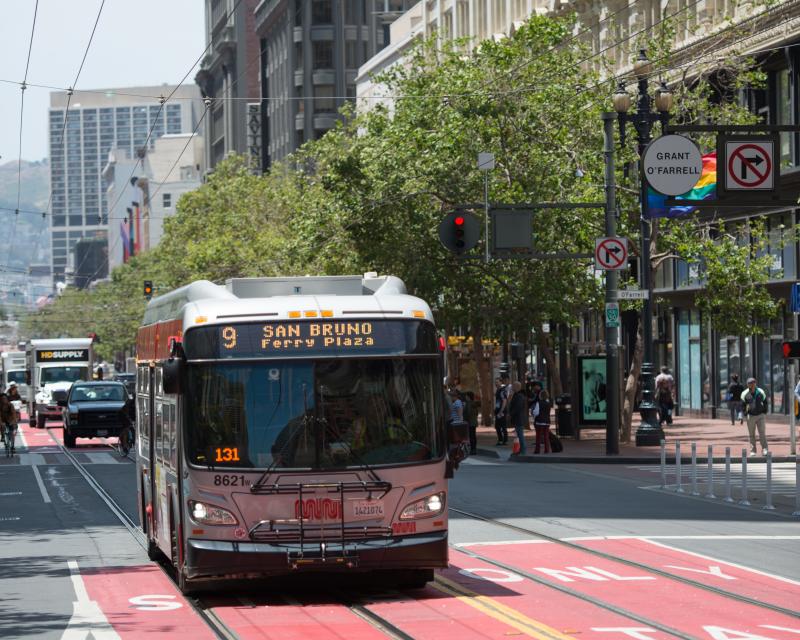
(23,87)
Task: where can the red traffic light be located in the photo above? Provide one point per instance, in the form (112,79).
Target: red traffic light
(459,221)
(791,349)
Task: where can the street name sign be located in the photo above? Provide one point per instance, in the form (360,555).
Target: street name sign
(632,294)
(749,165)
(610,254)
(672,164)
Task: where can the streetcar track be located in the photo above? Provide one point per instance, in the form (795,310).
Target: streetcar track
(620,559)
(208,614)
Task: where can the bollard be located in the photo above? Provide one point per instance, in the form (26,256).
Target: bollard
(678,480)
(663,464)
(710,476)
(744,501)
(796,511)
(728,496)
(768,502)
(695,492)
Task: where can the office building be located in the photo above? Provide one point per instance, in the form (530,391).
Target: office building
(99,121)
(229,75)
(145,193)
(310,54)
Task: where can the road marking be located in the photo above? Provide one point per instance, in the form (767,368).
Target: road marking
(11,493)
(40,482)
(626,537)
(10,519)
(730,564)
(494,609)
(87,619)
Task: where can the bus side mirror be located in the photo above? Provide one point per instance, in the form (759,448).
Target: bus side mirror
(172,374)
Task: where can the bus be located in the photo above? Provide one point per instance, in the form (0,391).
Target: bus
(293,424)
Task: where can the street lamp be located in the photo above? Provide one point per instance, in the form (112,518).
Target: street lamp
(649,431)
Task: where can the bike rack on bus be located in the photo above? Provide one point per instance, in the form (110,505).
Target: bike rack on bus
(322,535)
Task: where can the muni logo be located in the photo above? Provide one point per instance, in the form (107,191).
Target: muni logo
(318,509)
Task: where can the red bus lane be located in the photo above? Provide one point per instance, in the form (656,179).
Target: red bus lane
(136,602)
(554,610)
(275,618)
(764,587)
(690,610)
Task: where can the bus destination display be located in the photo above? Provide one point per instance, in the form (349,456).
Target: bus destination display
(326,337)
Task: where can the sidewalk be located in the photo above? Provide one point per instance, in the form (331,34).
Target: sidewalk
(591,448)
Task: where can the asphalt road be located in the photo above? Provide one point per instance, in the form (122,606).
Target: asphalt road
(69,569)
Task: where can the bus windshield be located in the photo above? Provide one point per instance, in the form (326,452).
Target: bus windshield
(313,414)
(63,374)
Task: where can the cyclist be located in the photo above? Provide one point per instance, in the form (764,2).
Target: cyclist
(9,418)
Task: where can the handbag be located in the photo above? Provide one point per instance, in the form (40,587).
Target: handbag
(728,396)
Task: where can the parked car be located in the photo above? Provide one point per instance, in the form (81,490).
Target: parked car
(96,409)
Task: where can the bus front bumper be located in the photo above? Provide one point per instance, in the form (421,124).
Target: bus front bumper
(216,558)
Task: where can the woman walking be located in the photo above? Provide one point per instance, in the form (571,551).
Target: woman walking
(541,421)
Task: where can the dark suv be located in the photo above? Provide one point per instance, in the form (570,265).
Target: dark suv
(96,410)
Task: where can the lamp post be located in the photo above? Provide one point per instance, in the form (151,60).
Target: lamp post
(649,431)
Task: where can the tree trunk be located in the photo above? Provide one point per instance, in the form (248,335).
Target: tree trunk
(629,399)
(483,368)
(552,363)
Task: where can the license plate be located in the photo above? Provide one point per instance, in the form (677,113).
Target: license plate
(102,432)
(368,508)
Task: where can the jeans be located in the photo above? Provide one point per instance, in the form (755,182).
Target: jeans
(664,413)
(473,438)
(542,437)
(736,410)
(759,422)
(501,429)
(520,429)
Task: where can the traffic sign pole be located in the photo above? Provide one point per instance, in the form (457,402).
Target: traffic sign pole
(612,282)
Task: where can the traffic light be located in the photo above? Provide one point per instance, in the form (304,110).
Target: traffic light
(148,289)
(459,232)
(791,349)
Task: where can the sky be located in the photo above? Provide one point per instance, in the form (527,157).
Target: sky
(139,42)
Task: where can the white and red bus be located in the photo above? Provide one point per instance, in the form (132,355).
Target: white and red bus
(291,424)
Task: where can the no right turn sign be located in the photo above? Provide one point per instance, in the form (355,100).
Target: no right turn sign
(749,165)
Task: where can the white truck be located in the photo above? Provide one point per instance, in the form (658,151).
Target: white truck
(52,366)
(13,370)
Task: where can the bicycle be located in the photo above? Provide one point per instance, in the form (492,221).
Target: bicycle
(125,441)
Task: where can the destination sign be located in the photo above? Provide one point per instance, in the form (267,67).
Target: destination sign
(310,338)
(65,355)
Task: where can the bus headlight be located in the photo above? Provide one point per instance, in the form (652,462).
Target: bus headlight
(203,513)
(425,508)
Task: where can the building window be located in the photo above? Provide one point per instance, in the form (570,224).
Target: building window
(166,200)
(783,113)
(321,12)
(323,54)
(325,98)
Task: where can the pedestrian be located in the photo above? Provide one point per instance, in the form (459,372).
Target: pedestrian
(665,383)
(541,421)
(755,407)
(518,414)
(471,418)
(734,398)
(500,420)
(456,406)
(796,407)
(532,390)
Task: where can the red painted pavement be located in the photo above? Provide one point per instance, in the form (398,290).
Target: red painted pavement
(716,573)
(691,610)
(280,620)
(157,616)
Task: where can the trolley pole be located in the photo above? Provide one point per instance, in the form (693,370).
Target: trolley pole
(612,283)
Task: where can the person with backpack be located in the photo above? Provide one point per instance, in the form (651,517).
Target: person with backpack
(735,391)
(541,421)
(665,383)
(755,407)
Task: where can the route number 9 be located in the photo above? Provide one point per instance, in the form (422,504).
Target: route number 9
(229,336)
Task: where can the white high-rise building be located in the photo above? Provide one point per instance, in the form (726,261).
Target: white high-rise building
(99,121)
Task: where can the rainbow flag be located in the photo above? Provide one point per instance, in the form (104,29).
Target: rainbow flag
(705,189)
